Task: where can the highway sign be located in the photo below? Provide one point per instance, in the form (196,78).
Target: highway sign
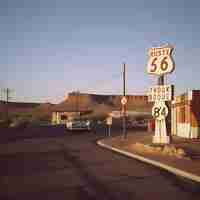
(124,100)
(160,60)
(160,93)
(159,111)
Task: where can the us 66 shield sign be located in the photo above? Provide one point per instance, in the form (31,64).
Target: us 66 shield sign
(159,111)
(160,60)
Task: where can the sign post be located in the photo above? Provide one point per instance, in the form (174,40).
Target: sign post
(160,63)
(124,102)
(109,123)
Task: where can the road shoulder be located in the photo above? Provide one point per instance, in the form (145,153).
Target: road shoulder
(182,167)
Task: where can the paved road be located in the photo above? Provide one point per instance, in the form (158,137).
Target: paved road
(71,166)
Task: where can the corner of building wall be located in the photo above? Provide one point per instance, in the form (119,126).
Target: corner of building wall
(190,95)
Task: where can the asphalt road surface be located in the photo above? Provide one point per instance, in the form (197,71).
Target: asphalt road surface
(51,163)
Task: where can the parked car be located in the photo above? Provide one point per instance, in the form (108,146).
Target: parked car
(78,124)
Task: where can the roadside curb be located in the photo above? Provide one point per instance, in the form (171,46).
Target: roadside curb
(173,170)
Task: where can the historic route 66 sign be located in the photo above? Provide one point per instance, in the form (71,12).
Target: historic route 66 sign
(159,110)
(160,60)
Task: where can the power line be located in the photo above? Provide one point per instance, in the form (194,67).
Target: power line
(6,96)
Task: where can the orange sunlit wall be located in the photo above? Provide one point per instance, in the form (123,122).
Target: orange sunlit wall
(186,115)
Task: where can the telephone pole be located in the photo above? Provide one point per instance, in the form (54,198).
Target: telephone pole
(1,95)
(7,93)
(124,104)
(77,103)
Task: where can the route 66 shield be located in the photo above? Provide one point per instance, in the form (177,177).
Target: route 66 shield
(160,60)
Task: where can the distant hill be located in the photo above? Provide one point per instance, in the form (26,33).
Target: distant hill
(75,102)
(17,106)
(42,112)
(91,101)
(22,113)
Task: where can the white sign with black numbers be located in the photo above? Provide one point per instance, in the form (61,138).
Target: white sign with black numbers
(160,60)
(160,93)
(159,110)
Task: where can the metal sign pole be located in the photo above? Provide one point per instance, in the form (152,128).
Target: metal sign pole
(109,127)
(109,123)
(160,63)
(124,79)
(124,122)
(124,106)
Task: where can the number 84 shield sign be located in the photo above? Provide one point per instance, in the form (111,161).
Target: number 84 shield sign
(159,110)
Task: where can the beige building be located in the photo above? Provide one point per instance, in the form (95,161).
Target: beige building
(61,117)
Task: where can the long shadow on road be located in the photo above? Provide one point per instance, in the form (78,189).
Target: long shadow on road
(21,133)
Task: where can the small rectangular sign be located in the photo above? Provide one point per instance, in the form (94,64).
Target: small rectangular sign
(161,93)
(109,121)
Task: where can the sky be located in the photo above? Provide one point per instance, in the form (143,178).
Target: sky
(49,48)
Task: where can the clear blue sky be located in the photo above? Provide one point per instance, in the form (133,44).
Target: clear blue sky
(51,47)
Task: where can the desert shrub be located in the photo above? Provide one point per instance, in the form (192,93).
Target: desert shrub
(19,122)
(5,123)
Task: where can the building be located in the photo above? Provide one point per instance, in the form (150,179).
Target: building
(185,115)
(68,110)
(61,116)
(77,104)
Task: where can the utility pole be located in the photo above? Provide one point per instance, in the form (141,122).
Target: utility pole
(7,93)
(161,80)
(77,103)
(1,95)
(125,101)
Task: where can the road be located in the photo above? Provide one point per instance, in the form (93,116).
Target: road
(51,163)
